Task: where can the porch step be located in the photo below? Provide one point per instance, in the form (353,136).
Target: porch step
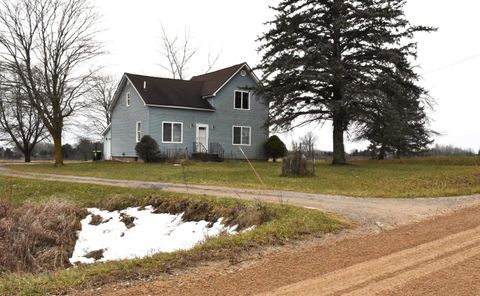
(206,157)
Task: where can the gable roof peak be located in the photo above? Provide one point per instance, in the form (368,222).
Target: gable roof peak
(178,93)
(216,80)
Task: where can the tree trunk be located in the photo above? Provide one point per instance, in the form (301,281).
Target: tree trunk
(27,157)
(57,142)
(338,145)
(382,154)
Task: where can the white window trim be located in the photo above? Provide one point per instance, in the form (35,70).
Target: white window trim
(127,99)
(241,129)
(241,91)
(138,131)
(181,132)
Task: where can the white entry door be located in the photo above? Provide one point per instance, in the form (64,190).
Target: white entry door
(202,137)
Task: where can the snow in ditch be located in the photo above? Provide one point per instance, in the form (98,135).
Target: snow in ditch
(152,233)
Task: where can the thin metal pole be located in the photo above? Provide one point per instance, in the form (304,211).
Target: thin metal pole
(251,165)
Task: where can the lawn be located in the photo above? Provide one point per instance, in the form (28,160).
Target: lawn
(416,177)
(286,223)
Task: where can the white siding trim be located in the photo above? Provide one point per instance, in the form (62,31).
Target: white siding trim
(136,90)
(138,131)
(241,129)
(250,71)
(181,132)
(179,107)
(241,91)
(109,126)
(118,92)
(128,99)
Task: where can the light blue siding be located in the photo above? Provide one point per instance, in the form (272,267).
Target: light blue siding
(124,121)
(220,122)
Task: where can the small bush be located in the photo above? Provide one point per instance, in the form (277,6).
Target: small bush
(296,164)
(275,148)
(148,150)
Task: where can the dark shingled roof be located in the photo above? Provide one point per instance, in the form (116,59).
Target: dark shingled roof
(182,93)
(214,80)
(170,92)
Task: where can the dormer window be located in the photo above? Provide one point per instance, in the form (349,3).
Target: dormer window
(242,100)
(127,99)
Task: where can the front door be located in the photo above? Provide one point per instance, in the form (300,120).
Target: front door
(202,138)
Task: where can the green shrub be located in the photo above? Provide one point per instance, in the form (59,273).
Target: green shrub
(275,148)
(147,149)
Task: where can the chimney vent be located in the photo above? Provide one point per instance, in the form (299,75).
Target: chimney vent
(144,85)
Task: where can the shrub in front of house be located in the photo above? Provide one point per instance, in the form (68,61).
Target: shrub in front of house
(275,148)
(148,150)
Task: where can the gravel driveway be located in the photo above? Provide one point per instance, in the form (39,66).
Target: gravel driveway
(380,213)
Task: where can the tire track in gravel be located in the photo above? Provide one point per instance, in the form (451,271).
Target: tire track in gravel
(388,272)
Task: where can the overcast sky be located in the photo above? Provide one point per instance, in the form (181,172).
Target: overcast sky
(448,59)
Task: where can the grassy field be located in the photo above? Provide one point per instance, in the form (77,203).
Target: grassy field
(287,223)
(419,177)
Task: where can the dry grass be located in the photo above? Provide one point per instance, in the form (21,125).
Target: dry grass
(96,220)
(283,223)
(41,237)
(236,213)
(38,237)
(128,220)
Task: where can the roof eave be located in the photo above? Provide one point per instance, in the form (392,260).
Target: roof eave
(109,126)
(180,107)
(250,71)
(118,91)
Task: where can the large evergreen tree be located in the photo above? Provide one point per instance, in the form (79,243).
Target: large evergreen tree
(396,120)
(322,59)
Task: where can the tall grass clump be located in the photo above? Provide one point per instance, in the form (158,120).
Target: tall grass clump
(38,237)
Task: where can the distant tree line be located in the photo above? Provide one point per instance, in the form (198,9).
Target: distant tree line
(82,150)
(450,150)
(437,150)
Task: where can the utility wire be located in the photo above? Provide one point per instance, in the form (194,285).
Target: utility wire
(452,64)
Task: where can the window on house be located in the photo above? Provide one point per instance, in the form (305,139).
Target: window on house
(242,100)
(172,132)
(127,99)
(241,135)
(138,131)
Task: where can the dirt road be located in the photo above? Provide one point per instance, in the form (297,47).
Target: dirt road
(383,213)
(430,257)
(440,256)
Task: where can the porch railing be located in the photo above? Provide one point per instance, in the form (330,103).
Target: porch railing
(199,148)
(213,148)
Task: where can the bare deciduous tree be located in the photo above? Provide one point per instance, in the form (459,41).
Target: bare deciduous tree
(178,52)
(101,94)
(54,38)
(212,59)
(19,120)
(308,142)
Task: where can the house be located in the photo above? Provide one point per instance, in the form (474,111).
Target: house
(212,114)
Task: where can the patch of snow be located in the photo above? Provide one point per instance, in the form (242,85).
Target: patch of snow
(152,233)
